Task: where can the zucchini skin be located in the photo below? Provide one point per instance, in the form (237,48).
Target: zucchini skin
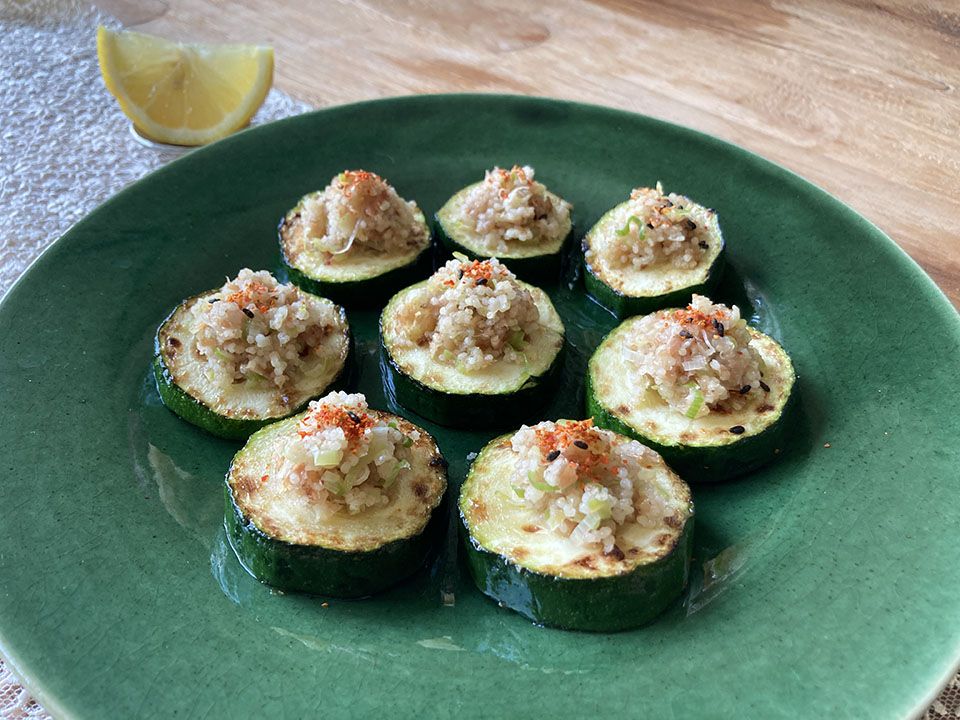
(367,293)
(536,270)
(624,306)
(475,410)
(606,604)
(705,463)
(324,571)
(197,413)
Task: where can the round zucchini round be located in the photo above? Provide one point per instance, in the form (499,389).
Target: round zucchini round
(639,292)
(501,395)
(185,388)
(349,555)
(536,262)
(552,580)
(717,446)
(354,279)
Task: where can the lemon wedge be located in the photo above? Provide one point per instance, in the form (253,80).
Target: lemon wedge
(181,93)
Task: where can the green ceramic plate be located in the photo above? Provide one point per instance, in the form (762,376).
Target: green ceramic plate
(826,585)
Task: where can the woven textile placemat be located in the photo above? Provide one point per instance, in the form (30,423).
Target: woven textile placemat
(67,149)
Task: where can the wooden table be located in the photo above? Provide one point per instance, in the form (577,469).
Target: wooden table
(859,97)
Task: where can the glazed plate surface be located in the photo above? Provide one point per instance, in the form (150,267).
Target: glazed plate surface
(824,585)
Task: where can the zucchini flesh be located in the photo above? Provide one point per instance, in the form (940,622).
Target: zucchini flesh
(348,555)
(357,280)
(501,395)
(180,375)
(702,449)
(639,292)
(536,262)
(551,580)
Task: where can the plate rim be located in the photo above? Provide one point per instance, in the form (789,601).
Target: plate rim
(32,682)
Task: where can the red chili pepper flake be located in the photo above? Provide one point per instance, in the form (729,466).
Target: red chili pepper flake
(349,179)
(253,294)
(477,269)
(701,319)
(352,424)
(264,478)
(552,442)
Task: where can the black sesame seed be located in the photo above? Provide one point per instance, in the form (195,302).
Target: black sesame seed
(481,281)
(650,225)
(553,455)
(248,312)
(704,244)
(581,444)
(689,224)
(718,326)
(685,333)
(213,300)
(353,416)
(438,461)
(745,389)
(766,388)
(461,274)
(738,430)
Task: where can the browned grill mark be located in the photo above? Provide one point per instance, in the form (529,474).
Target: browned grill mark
(586,562)
(419,489)
(764,408)
(530,528)
(520,553)
(616,553)
(479,510)
(672,521)
(246,484)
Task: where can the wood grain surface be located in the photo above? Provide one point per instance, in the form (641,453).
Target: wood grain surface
(859,97)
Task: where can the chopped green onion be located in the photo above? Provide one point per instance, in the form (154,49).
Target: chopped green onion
(626,228)
(600,507)
(220,354)
(394,472)
(256,376)
(697,402)
(461,257)
(342,177)
(393,424)
(328,458)
(339,489)
(519,491)
(534,479)
(407,441)
(516,339)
